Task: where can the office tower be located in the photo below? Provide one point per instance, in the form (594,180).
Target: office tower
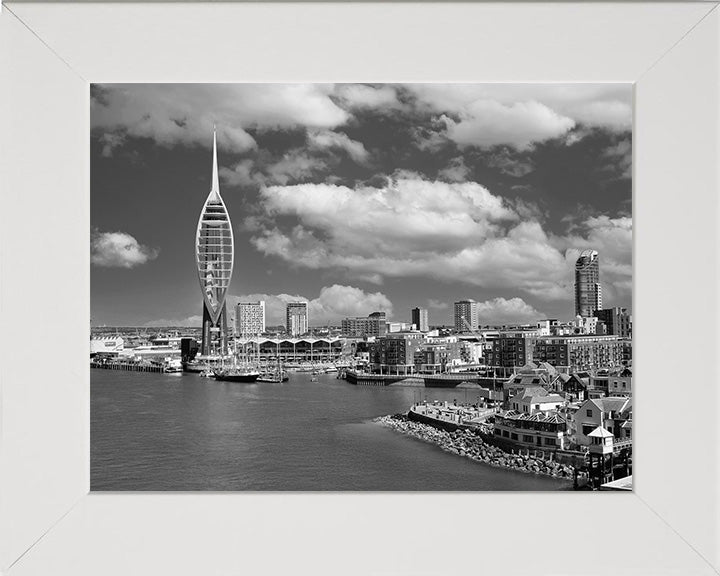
(420,319)
(297,318)
(588,293)
(466,313)
(250,318)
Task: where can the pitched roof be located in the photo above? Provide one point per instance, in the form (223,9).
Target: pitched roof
(600,432)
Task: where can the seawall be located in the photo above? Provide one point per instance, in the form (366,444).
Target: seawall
(470,445)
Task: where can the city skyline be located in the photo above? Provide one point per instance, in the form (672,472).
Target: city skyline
(358,198)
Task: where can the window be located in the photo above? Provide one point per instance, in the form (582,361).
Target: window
(550,441)
(527,438)
(589,413)
(587,428)
(505,433)
(513,436)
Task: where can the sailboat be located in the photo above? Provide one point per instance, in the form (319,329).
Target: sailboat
(237,373)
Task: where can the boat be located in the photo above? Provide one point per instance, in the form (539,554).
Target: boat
(273,378)
(173,365)
(236,374)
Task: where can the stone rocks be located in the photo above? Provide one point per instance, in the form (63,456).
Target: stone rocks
(470,445)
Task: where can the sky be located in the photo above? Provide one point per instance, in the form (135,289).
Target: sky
(361,197)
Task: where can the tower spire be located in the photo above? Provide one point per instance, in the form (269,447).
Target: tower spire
(215,190)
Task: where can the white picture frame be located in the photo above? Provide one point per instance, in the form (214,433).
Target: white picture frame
(51,524)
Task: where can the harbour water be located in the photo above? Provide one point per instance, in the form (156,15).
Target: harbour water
(182,432)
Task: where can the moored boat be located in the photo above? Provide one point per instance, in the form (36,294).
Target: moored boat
(236,375)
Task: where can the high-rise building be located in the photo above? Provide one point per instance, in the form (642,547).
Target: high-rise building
(214,253)
(617,321)
(466,313)
(588,293)
(297,318)
(420,319)
(250,318)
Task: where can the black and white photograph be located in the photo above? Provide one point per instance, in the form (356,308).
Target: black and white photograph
(361,287)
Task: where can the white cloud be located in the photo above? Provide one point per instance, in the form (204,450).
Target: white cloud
(327,139)
(382,97)
(293,166)
(437,304)
(620,159)
(456,171)
(486,123)
(174,114)
(598,105)
(119,250)
(332,304)
(448,232)
(110,141)
(512,311)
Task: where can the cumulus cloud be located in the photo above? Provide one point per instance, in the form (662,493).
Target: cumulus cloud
(619,158)
(513,311)
(487,123)
(596,105)
(365,96)
(332,304)
(327,139)
(456,171)
(119,250)
(446,231)
(174,114)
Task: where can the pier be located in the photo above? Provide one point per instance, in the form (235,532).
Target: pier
(128,366)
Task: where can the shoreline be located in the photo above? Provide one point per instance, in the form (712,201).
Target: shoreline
(469,445)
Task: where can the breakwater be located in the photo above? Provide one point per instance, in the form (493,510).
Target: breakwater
(470,445)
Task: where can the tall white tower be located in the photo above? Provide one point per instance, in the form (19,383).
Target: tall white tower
(214,254)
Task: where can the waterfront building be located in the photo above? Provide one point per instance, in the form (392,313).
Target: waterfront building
(541,431)
(214,255)
(617,321)
(579,353)
(297,318)
(588,292)
(106,345)
(250,318)
(373,325)
(512,349)
(437,357)
(395,353)
(420,319)
(466,313)
(531,401)
(613,414)
(296,350)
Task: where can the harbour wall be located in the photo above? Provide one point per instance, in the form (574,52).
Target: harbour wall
(469,444)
